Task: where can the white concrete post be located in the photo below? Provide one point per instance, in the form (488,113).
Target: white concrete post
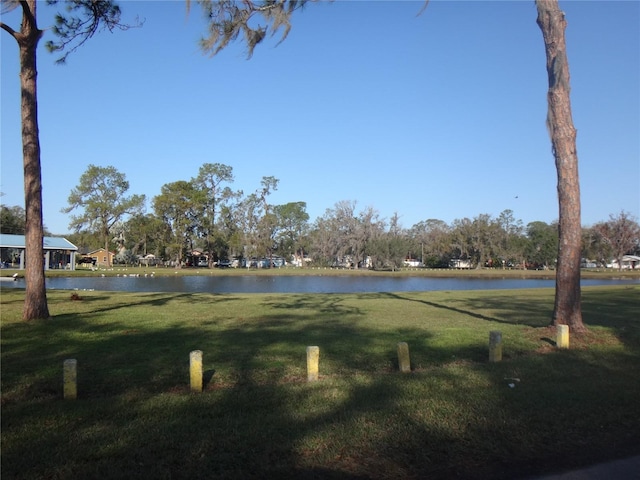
(195,371)
(495,346)
(70,379)
(562,340)
(404,362)
(313,359)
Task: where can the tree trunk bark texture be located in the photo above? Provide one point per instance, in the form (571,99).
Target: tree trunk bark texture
(35,304)
(106,248)
(567,309)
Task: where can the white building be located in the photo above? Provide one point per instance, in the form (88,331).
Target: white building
(629,262)
(459,263)
(58,252)
(412,262)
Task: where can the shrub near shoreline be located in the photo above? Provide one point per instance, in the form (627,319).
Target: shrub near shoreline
(455,414)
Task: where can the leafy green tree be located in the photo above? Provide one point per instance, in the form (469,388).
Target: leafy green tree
(214,195)
(370,227)
(323,241)
(341,224)
(12,220)
(433,242)
(389,249)
(230,229)
(292,225)
(146,233)
(512,243)
(178,207)
(343,236)
(101,196)
(542,246)
(476,239)
(259,222)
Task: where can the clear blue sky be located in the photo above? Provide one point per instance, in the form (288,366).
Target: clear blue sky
(440,115)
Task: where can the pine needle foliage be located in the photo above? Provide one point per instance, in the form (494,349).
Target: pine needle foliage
(228,19)
(81,21)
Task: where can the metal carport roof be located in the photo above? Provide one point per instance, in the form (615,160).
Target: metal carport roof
(49,243)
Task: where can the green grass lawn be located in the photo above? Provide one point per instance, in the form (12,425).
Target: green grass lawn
(455,415)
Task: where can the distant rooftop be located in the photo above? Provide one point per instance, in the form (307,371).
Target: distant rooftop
(49,243)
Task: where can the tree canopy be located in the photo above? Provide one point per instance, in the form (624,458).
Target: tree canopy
(101,197)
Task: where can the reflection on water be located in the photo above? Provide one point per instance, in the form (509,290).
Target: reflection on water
(299,284)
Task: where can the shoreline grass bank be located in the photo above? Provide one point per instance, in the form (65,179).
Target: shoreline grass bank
(454,416)
(83,271)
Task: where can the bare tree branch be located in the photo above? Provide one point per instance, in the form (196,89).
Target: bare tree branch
(8,29)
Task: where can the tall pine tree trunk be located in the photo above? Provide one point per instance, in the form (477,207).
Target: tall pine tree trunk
(105,235)
(567,309)
(35,304)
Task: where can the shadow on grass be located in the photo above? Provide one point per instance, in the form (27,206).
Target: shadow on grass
(258,418)
(507,308)
(468,313)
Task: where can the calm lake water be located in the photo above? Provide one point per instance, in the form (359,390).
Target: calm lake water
(299,284)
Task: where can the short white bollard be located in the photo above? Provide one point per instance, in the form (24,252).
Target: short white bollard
(195,371)
(313,358)
(495,346)
(70,379)
(562,339)
(404,362)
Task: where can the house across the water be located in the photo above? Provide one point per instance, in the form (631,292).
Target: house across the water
(629,262)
